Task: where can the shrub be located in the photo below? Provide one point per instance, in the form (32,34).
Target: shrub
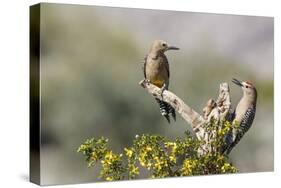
(159,156)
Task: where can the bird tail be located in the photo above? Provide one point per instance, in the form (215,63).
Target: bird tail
(228,140)
(234,143)
(231,141)
(166,109)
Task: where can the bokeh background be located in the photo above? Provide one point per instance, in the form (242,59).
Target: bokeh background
(91,65)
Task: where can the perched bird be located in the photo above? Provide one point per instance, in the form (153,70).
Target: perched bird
(244,113)
(156,71)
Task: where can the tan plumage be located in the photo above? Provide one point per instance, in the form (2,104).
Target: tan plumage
(244,113)
(156,71)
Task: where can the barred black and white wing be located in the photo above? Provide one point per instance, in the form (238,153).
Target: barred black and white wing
(144,67)
(244,126)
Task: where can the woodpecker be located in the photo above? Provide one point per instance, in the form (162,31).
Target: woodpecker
(244,113)
(156,71)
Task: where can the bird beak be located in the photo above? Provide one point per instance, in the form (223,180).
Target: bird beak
(172,48)
(237,82)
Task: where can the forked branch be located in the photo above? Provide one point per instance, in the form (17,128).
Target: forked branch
(216,110)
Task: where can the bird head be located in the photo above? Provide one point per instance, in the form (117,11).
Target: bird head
(160,46)
(247,87)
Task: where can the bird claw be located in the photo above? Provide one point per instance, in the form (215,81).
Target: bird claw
(147,81)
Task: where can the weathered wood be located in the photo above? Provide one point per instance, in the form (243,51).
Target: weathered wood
(188,114)
(223,101)
(214,111)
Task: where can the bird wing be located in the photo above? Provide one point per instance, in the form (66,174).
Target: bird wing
(247,119)
(166,65)
(243,127)
(144,66)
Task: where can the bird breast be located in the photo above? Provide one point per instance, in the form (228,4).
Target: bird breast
(241,109)
(156,72)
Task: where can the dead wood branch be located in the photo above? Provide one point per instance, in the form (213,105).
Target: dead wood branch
(214,110)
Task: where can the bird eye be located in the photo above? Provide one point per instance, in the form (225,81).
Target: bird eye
(164,44)
(247,86)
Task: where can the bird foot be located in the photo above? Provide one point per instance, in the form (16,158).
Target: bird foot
(147,81)
(162,89)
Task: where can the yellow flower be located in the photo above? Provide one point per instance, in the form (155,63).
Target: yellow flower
(82,147)
(109,155)
(134,170)
(94,156)
(227,129)
(160,163)
(142,163)
(170,144)
(158,166)
(221,132)
(227,167)
(148,148)
(148,165)
(108,178)
(173,158)
(129,152)
(188,166)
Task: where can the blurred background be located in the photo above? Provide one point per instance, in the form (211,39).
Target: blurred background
(91,66)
